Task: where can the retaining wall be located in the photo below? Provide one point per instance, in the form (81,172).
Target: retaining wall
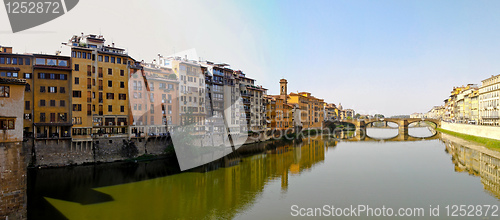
(476,130)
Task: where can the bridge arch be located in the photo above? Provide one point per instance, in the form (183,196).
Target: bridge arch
(416,120)
(371,122)
(434,134)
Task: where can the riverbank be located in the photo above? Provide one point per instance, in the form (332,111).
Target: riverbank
(487,142)
(491,132)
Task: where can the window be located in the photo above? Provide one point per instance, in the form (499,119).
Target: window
(26,105)
(52,76)
(21,61)
(112,59)
(7,124)
(27,88)
(77,80)
(27,75)
(52,89)
(62,103)
(122,84)
(8,60)
(14,61)
(89,110)
(99,58)
(110,108)
(77,67)
(89,70)
(41,75)
(51,62)
(62,76)
(152,109)
(100,72)
(110,96)
(118,60)
(106,59)
(62,63)
(77,94)
(110,83)
(110,71)
(52,103)
(52,117)
(42,102)
(27,61)
(62,90)
(14,75)
(122,73)
(79,55)
(122,96)
(122,108)
(2,60)
(42,117)
(42,88)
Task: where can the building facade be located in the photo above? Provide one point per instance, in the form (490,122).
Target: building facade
(489,101)
(100,88)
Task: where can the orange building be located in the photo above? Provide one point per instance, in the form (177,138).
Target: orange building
(100,88)
(154,100)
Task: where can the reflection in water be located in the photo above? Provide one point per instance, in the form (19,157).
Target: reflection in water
(477,161)
(263,180)
(231,185)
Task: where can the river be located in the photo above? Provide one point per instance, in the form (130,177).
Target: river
(276,180)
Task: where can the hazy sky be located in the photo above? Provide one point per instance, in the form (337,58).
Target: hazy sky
(389,57)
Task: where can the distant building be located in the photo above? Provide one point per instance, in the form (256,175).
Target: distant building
(331,112)
(489,101)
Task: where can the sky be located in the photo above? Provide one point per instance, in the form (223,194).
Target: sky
(388,57)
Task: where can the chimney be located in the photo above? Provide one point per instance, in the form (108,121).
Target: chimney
(113,44)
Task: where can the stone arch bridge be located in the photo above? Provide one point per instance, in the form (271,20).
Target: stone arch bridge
(403,123)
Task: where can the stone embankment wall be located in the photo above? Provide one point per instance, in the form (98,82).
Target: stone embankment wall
(13,165)
(476,130)
(63,152)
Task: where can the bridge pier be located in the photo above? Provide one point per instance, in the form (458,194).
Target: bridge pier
(360,130)
(403,127)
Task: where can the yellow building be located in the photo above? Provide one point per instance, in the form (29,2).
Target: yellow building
(310,108)
(51,96)
(20,66)
(100,88)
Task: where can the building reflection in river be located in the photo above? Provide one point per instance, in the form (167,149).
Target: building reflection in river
(477,161)
(220,193)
